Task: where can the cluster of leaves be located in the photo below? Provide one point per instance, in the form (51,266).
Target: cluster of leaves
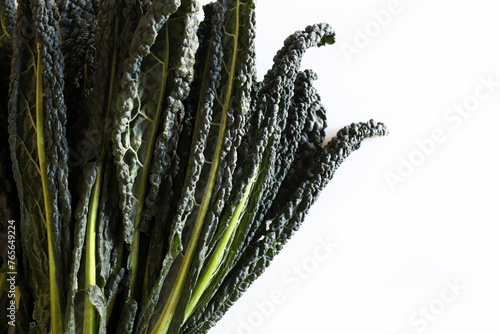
(150,176)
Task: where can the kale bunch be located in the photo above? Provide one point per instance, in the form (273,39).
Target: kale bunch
(147,177)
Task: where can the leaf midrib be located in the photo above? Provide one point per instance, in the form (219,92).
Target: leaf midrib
(55,309)
(218,253)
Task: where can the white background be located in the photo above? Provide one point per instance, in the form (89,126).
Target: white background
(399,245)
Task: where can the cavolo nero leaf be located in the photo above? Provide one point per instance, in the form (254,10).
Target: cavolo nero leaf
(140,106)
(9,206)
(7,18)
(213,278)
(97,229)
(240,111)
(179,34)
(7,21)
(78,23)
(222,108)
(308,149)
(261,162)
(287,219)
(159,70)
(39,152)
(97,299)
(188,176)
(304,106)
(11,259)
(282,78)
(9,203)
(170,188)
(160,254)
(283,224)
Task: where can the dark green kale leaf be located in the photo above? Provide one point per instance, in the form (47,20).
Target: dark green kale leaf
(281,226)
(78,23)
(9,203)
(261,161)
(97,226)
(160,69)
(37,119)
(171,187)
(223,106)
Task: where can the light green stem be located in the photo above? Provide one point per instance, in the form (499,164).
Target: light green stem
(219,251)
(55,308)
(89,324)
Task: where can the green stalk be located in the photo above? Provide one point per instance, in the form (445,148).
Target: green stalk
(55,308)
(89,324)
(218,254)
(167,314)
(226,241)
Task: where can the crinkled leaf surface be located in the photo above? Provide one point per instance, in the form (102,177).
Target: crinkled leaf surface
(39,152)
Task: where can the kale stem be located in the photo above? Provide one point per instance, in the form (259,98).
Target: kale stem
(89,324)
(55,308)
(219,252)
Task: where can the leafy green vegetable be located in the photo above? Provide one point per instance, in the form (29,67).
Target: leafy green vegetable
(161,68)
(98,220)
(274,100)
(235,241)
(9,207)
(283,224)
(39,153)
(225,93)
(9,203)
(77,24)
(187,175)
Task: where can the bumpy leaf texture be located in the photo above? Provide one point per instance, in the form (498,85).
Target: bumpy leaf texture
(107,38)
(234,235)
(78,47)
(159,72)
(261,159)
(188,175)
(37,119)
(222,107)
(9,203)
(281,226)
